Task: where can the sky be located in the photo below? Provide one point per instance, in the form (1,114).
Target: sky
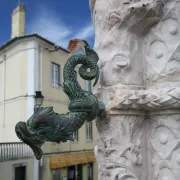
(56,20)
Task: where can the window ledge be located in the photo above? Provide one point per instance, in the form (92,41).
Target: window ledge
(56,87)
(89,140)
(74,142)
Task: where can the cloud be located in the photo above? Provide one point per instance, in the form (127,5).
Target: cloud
(86,32)
(49,25)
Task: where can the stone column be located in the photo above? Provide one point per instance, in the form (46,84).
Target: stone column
(121,149)
(163,145)
(138,43)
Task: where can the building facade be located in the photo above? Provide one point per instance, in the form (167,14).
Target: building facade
(30,63)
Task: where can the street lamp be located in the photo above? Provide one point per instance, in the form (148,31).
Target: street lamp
(38,100)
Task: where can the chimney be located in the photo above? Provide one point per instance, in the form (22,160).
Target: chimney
(72,46)
(18,21)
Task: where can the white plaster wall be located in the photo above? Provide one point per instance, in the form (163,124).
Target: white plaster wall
(7,169)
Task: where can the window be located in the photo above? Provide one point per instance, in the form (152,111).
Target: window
(20,173)
(71,173)
(89,131)
(55,74)
(80,172)
(56,174)
(75,135)
(88,86)
(90,171)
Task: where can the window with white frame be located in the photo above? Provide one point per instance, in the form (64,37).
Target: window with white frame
(89,131)
(88,86)
(75,135)
(55,74)
(20,172)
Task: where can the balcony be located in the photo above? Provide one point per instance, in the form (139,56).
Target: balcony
(16,150)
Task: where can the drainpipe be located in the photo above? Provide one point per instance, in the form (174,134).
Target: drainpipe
(36,169)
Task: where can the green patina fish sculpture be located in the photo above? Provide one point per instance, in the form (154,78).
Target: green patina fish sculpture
(46,125)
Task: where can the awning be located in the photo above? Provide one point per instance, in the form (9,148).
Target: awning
(58,161)
(65,160)
(90,157)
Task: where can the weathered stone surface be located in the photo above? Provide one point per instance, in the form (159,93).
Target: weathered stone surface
(121,151)
(138,43)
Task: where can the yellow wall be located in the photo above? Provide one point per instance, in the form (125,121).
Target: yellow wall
(69,146)
(16,87)
(16,107)
(52,93)
(54,96)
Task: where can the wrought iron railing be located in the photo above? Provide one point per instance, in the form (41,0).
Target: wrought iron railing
(15,150)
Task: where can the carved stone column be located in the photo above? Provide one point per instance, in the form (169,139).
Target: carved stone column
(163,145)
(121,149)
(138,43)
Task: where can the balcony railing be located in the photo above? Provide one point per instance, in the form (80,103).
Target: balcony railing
(17,150)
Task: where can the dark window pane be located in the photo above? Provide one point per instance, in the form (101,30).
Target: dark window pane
(20,173)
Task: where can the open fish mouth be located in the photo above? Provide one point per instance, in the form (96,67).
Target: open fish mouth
(23,134)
